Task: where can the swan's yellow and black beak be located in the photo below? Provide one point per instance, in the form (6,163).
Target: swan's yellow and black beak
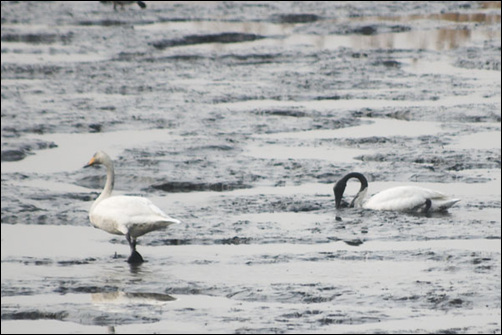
(91,162)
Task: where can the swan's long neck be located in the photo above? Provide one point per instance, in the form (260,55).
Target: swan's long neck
(110,181)
(342,183)
(358,200)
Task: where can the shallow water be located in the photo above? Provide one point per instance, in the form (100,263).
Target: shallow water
(237,118)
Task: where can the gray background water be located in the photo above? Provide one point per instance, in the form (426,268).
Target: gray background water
(237,118)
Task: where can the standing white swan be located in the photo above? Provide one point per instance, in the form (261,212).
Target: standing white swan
(401,198)
(124,215)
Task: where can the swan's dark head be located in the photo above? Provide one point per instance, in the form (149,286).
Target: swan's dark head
(340,186)
(338,189)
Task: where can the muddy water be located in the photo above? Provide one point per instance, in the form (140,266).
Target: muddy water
(237,118)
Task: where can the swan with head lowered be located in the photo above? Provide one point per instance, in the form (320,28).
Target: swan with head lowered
(124,215)
(401,198)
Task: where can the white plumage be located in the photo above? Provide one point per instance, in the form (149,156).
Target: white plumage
(401,198)
(124,215)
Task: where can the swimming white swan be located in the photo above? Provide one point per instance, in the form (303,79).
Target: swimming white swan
(401,198)
(124,215)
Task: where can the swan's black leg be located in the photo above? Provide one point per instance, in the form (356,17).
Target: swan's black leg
(132,242)
(428,204)
(135,257)
(423,208)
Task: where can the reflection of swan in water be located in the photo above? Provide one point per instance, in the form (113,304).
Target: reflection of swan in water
(124,215)
(401,198)
(126,297)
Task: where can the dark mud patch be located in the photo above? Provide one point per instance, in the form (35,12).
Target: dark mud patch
(76,262)
(34,315)
(262,203)
(355,242)
(295,18)
(482,113)
(93,316)
(31,71)
(70,286)
(38,38)
(341,318)
(291,113)
(13,155)
(177,186)
(446,161)
(107,23)
(235,240)
(18,149)
(376,29)
(472,58)
(203,39)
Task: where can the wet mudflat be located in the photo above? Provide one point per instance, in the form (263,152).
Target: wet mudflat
(237,118)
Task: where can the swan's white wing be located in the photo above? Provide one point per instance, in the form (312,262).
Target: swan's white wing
(408,198)
(133,215)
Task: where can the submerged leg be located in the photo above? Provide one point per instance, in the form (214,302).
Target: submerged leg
(428,204)
(423,208)
(135,256)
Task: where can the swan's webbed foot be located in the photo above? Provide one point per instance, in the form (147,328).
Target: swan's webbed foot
(135,258)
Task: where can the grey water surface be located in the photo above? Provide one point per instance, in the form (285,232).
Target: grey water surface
(237,118)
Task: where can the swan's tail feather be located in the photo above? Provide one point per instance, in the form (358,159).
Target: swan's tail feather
(444,205)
